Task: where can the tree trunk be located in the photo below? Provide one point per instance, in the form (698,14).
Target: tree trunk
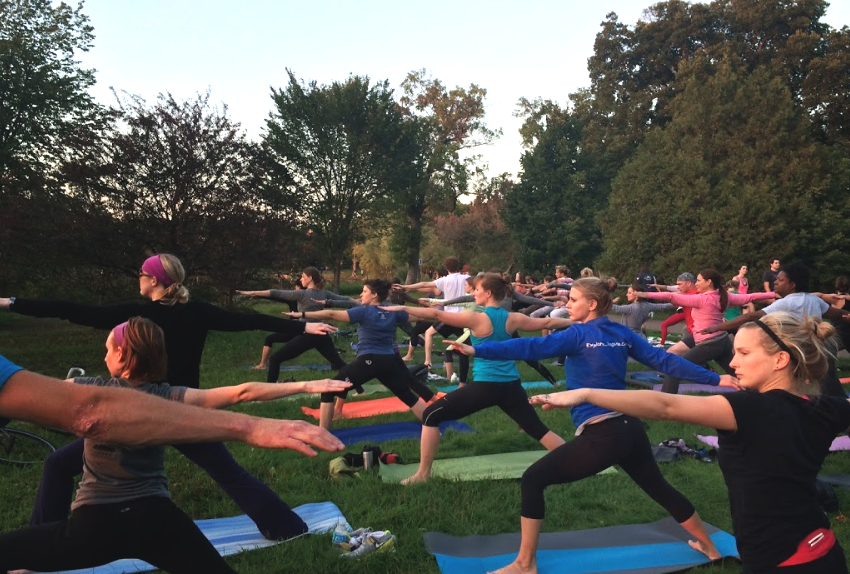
(413,245)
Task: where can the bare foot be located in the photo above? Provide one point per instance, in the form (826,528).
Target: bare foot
(260,367)
(415,479)
(516,568)
(406,358)
(711,553)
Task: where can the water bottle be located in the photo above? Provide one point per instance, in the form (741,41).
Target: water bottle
(341,537)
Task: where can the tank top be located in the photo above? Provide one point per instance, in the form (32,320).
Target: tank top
(486,370)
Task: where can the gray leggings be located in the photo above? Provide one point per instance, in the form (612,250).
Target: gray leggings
(718,349)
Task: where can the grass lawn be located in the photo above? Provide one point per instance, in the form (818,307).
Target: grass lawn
(492,507)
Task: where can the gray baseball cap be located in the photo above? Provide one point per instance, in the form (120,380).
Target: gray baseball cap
(686,276)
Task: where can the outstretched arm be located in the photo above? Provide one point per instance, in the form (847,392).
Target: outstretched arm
(225,396)
(735,323)
(520,322)
(126,416)
(714,411)
(421,286)
(255,294)
(465,319)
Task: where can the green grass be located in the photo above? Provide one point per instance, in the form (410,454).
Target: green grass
(492,507)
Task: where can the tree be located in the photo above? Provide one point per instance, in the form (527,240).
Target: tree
(737,155)
(444,125)
(551,211)
(179,177)
(43,90)
(338,149)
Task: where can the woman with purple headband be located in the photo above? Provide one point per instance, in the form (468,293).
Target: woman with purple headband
(185,324)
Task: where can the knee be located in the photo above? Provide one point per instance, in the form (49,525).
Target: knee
(269,341)
(435,413)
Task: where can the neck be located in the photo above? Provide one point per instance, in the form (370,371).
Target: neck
(779,381)
(157,295)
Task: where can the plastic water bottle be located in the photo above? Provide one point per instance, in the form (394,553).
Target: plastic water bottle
(341,537)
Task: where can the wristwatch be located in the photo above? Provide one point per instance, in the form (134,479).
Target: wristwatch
(11,302)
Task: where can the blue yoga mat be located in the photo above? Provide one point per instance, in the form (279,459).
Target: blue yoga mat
(526,385)
(392,431)
(654,548)
(235,534)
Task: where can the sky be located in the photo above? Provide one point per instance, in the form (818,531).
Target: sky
(239,50)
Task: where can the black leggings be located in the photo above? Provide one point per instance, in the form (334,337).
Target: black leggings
(463,360)
(390,370)
(718,349)
(419,331)
(301,344)
(273,517)
(152,529)
(619,440)
(477,396)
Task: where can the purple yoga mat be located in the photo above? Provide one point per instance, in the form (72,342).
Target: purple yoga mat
(696,388)
(840,443)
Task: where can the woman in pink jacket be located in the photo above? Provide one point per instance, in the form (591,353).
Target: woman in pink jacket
(708,306)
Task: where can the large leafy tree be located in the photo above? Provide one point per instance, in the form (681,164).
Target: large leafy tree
(551,211)
(445,127)
(340,150)
(737,156)
(180,177)
(43,89)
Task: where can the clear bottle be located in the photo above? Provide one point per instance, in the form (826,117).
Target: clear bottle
(341,537)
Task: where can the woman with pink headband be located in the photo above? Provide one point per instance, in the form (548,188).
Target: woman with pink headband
(123,508)
(185,324)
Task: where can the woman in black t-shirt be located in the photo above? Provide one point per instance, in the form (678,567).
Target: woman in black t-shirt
(774,436)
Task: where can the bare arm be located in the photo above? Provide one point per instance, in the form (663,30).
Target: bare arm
(421,286)
(714,411)
(520,322)
(255,294)
(473,321)
(735,323)
(126,416)
(225,396)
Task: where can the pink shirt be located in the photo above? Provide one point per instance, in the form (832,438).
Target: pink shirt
(743,284)
(706,308)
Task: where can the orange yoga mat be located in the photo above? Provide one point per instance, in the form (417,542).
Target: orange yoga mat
(363,409)
(844,381)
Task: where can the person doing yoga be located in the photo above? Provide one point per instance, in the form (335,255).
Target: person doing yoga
(597,350)
(376,354)
(300,343)
(123,508)
(637,312)
(495,383)
(186,325)
(708,306)
(773,436)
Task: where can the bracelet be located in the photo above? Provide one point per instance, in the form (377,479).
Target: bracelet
(303,314)
(11,302)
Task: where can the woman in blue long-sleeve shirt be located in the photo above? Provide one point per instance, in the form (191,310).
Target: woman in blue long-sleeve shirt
(596,349)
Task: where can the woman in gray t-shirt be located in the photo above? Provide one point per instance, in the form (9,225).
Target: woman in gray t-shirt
(123,508)
(312,281)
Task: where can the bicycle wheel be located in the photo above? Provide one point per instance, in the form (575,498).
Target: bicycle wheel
(21,448)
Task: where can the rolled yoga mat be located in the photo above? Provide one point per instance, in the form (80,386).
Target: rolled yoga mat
(654,548)
(236,534)
(840,443)
(392,431)
(363,409)
(486,467)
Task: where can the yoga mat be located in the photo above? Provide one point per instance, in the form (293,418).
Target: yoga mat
(235,534)
(654,548)
(644,378)
(392,431)
(844,381)
(836,479)
(363,409)
(840,443)
(697,388)
(527,385)
(487,467)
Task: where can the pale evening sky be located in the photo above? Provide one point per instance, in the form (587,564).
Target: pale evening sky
(239,49)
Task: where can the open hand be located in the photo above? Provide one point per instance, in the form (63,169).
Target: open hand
(468,350)
(294,435)
(326,386)
(319,328)
(558,400)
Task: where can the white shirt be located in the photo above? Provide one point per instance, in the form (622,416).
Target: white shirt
(452,286)
(800,305)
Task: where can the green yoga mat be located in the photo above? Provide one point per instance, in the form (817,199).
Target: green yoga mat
(487,467)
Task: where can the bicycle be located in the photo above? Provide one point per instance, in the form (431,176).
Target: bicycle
(23,448)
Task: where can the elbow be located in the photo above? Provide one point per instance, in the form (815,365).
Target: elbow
(89,421)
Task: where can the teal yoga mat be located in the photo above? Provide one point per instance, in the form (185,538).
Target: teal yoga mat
(527,385)
(486,467)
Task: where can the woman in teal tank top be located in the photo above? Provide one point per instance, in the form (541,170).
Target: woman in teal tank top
(496,383)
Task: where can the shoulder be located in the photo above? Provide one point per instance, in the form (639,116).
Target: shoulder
(101,382)
(164,390)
